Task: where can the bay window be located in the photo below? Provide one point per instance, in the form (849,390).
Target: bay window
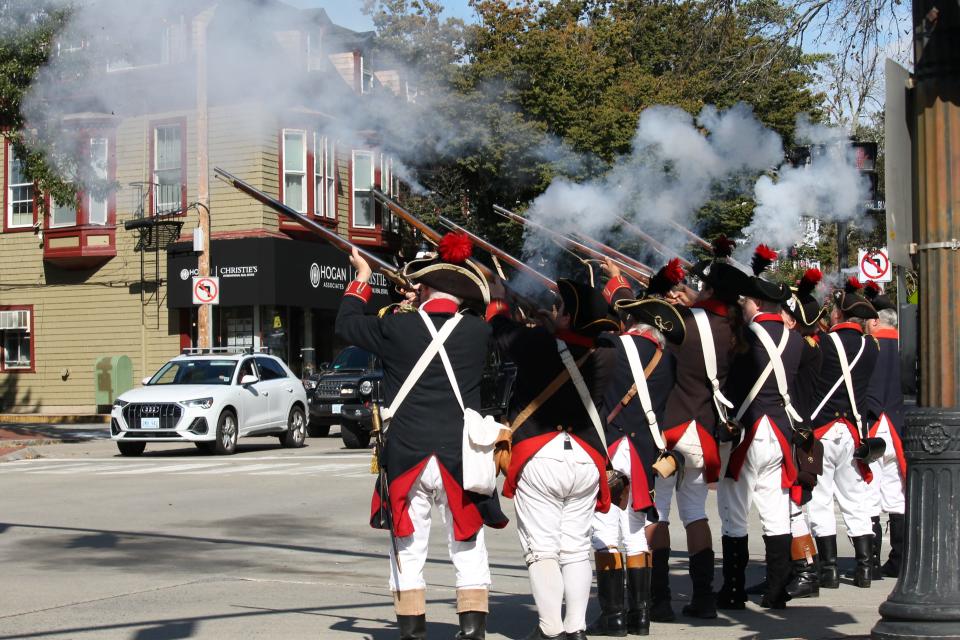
(16,345)
(295,169)
(20,194)
(97,201)
(363,211)
(169,172)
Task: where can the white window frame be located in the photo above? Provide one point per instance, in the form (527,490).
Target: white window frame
(11,158)
(104,175)
(304,201)
(157,209)
(330,175)
(18,321)
(325,199)
(353,190)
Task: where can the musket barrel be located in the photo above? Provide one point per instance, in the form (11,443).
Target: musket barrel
(703,243)
(657,246)
(333,238)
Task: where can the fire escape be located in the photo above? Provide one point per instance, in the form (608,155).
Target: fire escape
(156,232)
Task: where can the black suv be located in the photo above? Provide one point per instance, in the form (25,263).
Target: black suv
(342,392)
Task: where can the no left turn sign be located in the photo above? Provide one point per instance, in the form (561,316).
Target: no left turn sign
(206,290)
(874,265)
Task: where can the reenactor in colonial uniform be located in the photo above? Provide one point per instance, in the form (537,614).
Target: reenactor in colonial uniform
(632,410)
(761,468)
(802,313)
(849,359)
(885,415)
(695,415)
(556,468)
(423,452)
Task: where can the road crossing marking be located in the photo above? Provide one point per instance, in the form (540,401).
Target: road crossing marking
(339,466)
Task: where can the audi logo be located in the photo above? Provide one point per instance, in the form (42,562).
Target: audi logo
(150,408)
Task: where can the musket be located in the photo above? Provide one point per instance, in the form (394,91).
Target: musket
(703,243)
(657,246)
(333,238)
(613,253)
(567,242)
(386,508)
(494,250)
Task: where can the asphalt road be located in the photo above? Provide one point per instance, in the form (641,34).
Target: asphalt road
(272,543)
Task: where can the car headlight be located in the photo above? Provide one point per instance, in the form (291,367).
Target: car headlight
(309,384)
(120,403)
(199,403)
(366,387)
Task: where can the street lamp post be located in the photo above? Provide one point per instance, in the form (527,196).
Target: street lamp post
(926,600)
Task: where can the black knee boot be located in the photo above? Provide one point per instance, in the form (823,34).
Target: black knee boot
(702,604)
(660,609)
(732,594)
(891,567)
(412,627)
(638,596)
(876,571)
(827,550)
(778,571)
(863,550)
(612,620)
(473,626)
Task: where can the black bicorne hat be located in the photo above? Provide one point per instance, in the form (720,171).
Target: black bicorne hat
(450,271)
(589,312)
(758,287)
(802,305)
(880,301)
(727,281)
(649,308)
(851,303)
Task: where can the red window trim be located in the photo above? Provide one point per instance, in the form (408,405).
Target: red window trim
(83,210)
(151,132)
(6,194)
(33,341)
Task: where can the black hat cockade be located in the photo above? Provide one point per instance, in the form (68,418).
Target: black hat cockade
(802,305)
(878,299)
(589,312)
(727,281)
(650,308)
(759,287)
(853,305)
(450,270)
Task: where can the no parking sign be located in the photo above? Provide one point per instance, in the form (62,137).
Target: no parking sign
(874,265)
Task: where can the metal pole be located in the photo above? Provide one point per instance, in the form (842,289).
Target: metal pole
(926,601)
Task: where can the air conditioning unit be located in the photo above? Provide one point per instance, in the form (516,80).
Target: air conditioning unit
(17,319)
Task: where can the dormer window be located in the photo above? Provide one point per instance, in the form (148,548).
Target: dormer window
(153,48)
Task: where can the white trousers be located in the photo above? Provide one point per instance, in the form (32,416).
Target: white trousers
(840,480)
(469,558)
(886,488)
(555,500)
(621,530)
(692,492)
(759,483)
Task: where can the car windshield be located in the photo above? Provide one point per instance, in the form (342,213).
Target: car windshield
(195,372)
(351,358)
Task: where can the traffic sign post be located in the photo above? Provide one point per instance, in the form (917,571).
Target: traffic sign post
(874,265)
(206,290)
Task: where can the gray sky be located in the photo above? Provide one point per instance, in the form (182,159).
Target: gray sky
(347,13)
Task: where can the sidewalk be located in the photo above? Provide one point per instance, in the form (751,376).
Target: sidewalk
(17,436)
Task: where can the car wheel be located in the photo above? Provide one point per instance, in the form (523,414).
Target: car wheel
(353,435)
(131,448)
(226,442)
(318,430)
(296,429)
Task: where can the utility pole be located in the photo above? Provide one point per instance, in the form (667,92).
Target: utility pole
(926,601)
(204,319)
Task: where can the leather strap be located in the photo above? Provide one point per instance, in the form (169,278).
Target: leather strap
(583,392)
(847,380)
(444,358)
(837,384)
(710,362)
(755,389)
(639,388)
(546,394)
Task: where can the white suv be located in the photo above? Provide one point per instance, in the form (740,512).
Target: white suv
(212,397)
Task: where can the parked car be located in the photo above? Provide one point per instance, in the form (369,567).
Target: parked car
(211,398)
(342,393)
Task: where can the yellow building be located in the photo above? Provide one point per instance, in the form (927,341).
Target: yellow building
(95,297)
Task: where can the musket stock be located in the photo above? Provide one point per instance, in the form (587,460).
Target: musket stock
(335,239)
(570,243)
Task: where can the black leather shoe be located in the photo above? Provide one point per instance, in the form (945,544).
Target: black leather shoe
(661,611)
(778,571)
(638,601)
(806,579)
(863,550)
(703,603)
(412,627)
(827,550)
(891,568)
(473,626)
(610,588)
(577,635)
(537,634)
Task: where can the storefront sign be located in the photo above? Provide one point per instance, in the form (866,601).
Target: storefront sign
(270,271)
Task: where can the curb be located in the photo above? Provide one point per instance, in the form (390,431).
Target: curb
(27,453)
(36,418)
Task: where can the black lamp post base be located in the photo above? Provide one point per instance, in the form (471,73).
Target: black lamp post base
(926,601)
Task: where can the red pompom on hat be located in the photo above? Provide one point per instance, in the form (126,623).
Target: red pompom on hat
(674,271)
(763,257)
(811,278)
(723,246)
(871,290)
(852,285)
(670,275)
(455,247)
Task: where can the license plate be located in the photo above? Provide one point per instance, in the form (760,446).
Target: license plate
(149,423)
(335,408)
